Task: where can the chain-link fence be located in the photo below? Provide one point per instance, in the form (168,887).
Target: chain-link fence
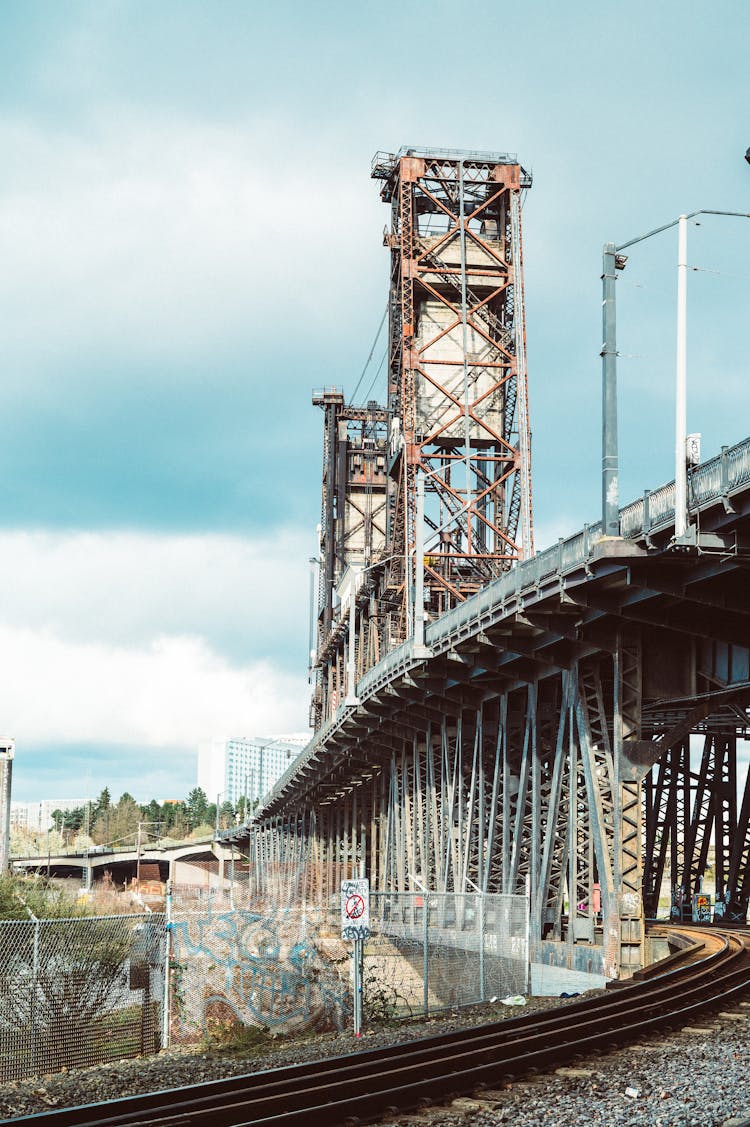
(287,968)
(434,951)
(79,992)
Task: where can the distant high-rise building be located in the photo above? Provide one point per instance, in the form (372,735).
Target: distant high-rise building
(245,765)
(37,816)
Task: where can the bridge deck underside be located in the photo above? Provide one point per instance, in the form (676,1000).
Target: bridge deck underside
(545,745)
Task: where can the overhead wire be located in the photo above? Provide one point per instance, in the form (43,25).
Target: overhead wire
(366,396)
(371,353)
(712,270)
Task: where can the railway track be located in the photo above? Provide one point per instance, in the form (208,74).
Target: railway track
(712,971)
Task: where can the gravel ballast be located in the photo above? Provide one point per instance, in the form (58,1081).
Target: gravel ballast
(694,1078)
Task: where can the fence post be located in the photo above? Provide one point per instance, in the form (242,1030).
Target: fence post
(527,915)
(425,953)
(357,956)
(146,1017)
(167,960)
(481,946)
(33,1015)
(231,875)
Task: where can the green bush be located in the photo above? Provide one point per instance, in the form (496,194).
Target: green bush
(21,898)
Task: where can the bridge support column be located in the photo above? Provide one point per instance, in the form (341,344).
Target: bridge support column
(626,954)
(625,948)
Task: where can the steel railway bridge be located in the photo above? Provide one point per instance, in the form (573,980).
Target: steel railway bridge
(487,719)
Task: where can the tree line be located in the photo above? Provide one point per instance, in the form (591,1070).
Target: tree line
(126,823)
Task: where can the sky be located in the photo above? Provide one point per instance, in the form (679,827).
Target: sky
(190,242)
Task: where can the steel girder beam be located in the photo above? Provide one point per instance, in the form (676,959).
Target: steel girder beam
(686,810)
(691,618)
(500,794)
(352,531)
(737,893)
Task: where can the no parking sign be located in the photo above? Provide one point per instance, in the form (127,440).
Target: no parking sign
(355,909)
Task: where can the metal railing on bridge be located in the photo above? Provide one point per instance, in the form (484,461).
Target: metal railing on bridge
(715,480)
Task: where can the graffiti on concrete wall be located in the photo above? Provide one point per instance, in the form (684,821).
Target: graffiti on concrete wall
(280,969)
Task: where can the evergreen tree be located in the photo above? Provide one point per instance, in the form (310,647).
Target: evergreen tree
(171,812)
(226,816)
(102,804)
(196,807)
(123,821)
(100,815)
(152,812)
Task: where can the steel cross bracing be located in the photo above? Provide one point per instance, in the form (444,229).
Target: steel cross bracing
(457,386)
(573,732)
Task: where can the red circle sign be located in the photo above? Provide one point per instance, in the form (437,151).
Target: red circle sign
(355,907)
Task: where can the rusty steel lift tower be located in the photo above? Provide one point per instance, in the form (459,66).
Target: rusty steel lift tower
(445,507)
(457,393)
(352,535)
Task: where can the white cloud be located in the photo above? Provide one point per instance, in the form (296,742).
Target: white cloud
(165,234)
(171,693)
(127,587)
(151,640)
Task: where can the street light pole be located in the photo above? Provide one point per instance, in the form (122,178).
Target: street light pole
(680,429)
(610,466)
(613,260)
(256,772)
(7,752)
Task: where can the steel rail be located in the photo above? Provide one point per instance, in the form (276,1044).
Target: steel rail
(364,1086)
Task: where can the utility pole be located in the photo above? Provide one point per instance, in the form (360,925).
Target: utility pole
(7,752)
